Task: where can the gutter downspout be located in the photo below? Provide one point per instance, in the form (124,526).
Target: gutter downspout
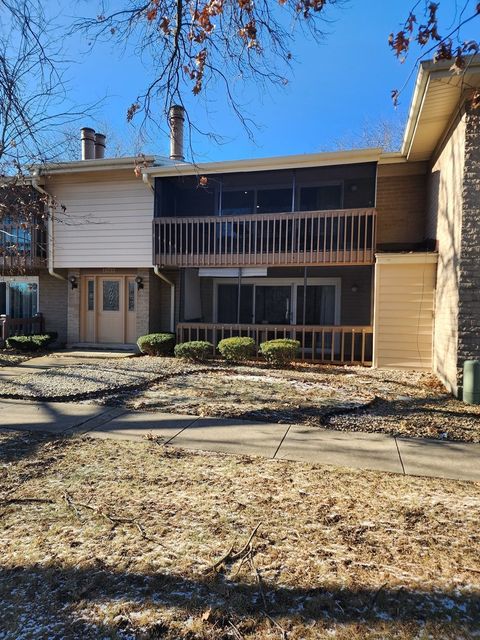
(50,228)
(163,277)
(147,180)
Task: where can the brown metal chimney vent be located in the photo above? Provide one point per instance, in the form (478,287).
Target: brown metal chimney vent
(176,118)
(100,140)
(87,137)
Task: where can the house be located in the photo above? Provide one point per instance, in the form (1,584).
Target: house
(364,256)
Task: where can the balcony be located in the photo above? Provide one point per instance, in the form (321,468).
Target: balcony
(22,247)
(340,237)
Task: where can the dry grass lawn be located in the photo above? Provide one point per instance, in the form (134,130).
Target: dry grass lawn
(338,554)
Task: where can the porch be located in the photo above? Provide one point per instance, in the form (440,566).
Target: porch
(319,344)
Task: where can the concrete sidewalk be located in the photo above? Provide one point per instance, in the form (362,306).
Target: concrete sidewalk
(456,460)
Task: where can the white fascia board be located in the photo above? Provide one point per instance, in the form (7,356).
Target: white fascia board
(268,164)
(82,166)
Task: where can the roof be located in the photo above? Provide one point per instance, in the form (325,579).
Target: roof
(353,156)
(438,96)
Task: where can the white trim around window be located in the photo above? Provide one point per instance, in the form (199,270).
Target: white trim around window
(294,283)
(20,279)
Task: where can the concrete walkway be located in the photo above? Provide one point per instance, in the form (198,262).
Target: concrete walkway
(63,358)
(379,452)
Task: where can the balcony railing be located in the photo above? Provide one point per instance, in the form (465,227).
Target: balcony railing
(302,238)
(334,345)
(22,247)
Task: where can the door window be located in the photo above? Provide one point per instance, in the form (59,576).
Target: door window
(131,295)
(111,295)
(90,295)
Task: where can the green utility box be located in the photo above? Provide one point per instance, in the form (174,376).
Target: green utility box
(471,382)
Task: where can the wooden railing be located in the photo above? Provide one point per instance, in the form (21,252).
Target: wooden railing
(302,238)
(20,326)
(335,344)
(22,246)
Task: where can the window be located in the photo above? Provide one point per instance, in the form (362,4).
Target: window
(321,197)
(274,200)
(111,295)
(237,203)
(19,298)
(227,303)
(272,304)
(319,305)
(91,295)
(131,295)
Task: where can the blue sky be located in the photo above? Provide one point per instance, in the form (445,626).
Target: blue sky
(336,88)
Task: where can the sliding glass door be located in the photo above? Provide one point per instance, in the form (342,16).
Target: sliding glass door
(278,303)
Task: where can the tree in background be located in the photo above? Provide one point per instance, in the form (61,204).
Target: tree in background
(210,47)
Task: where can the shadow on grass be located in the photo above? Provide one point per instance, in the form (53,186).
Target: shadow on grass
(55,590)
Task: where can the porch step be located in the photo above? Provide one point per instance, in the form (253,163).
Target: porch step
(87,350)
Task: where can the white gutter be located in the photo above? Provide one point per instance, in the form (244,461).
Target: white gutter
(50,228)
(163,277)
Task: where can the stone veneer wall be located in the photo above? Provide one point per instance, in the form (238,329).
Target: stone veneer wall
(469,273)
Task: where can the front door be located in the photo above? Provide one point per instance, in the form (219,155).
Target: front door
(111,309)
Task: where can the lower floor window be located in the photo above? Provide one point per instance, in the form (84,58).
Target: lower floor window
(19,299)
(262,303)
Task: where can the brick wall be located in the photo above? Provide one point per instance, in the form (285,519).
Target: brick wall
(159,312)
(401,204)
(73,313)
(53,303)
(444,223)
(469,271)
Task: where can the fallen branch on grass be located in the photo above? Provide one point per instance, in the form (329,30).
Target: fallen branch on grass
(231,557)
(114,520)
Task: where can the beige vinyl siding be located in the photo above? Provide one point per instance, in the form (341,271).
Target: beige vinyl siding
(107,221)
(404,308)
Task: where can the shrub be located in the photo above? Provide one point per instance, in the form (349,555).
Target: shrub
(31,343)
(157,344)
(237,349)
(280,352)
(196,351)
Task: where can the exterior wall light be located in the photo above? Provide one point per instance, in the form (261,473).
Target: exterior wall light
(139,281)
(73,282)
(354,288)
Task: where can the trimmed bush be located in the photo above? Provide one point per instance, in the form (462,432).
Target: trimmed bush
(280,352)
(31,343)
(157,344)
(237,349)
(196,351)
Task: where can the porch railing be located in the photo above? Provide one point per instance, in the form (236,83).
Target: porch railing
(301,238)
(20,326)
(333,344)
(22,246)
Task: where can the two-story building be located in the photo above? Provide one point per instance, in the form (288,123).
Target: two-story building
(364,256)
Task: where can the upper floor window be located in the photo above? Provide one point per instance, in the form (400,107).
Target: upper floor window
(321,197)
